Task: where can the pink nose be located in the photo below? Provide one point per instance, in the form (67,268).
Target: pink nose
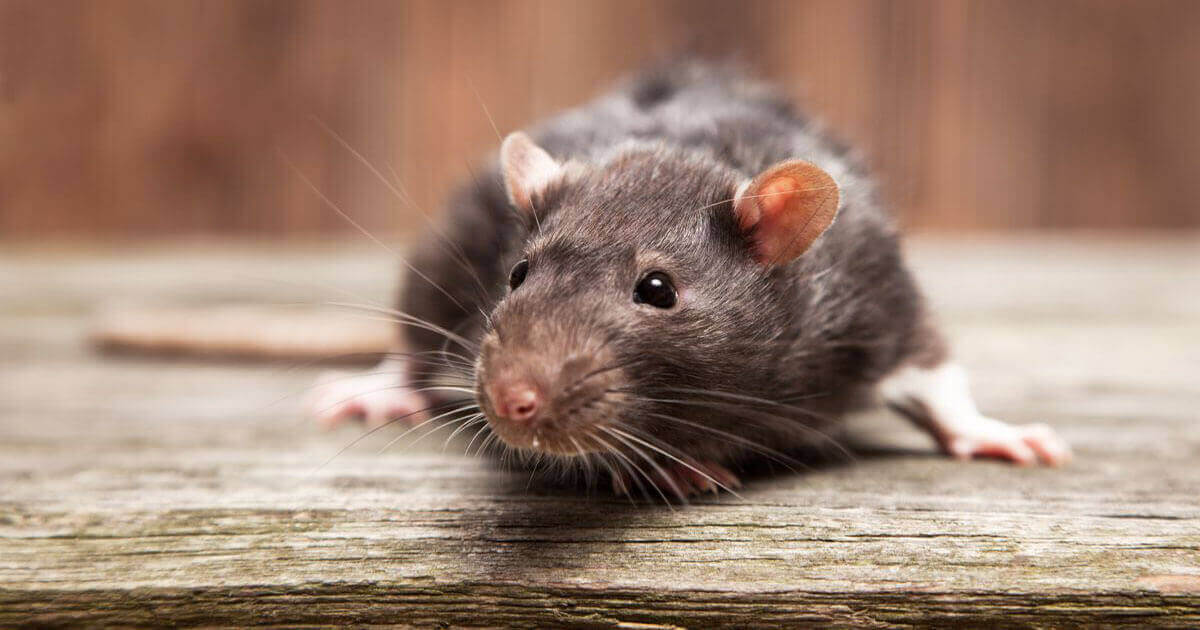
(517,401)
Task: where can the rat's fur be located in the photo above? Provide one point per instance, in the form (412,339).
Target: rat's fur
(652,170)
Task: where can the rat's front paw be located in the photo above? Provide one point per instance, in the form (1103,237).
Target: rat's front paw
(1022,444)
(681,481)
(377,397)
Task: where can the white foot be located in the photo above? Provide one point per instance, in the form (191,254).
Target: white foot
(939,401)
(1023,444)
(376,396)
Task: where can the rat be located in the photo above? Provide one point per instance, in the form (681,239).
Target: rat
(680,277)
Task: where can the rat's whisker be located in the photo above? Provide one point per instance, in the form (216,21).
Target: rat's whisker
(748,398)
(384,389)
(366,355)
(597,372)
(446,356)
(636,474)
(398,190)
(482,429)
(422,424)
(538,458)
(663,451)
(414,320)
(373,431)
(768,418)
(493,442)
(308,390)
(428,376)
(790,191)
(397,320)
(448,423)
(330,203)
(585,458)
(755,446)
(662,474)
(614,475)
(470,422)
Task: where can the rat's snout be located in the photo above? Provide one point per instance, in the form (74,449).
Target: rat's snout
(516,400)
(547,392)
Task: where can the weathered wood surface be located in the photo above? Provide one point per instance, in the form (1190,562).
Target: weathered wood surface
(172,492)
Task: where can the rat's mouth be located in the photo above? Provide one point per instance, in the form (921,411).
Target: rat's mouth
(571,437)
(551,442)
(571,432)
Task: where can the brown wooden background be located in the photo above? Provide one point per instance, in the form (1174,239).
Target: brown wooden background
(140,118)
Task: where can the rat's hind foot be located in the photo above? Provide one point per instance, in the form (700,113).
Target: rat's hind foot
(682,481)
(938,401)
(1023,444)
(376,397)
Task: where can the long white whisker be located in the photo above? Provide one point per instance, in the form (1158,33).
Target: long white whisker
(501,138)
(792,424)
(636,474)
(397,386)
(662,473)
(584,457)
(448,423)
(761,449)
(329,202)
(414,428)
(790,191)
(373,431)
(470,422)
(474,437)
(746,398)
(416,321)
(680,461)
(398,190)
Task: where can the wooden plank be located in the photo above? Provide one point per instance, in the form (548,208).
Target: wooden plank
(157,492)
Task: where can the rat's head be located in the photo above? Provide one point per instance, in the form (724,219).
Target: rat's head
(640,277)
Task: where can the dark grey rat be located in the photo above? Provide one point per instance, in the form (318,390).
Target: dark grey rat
(678,278)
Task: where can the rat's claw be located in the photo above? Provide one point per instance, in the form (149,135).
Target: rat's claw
(1021,444)
(1050,448)
(682,481)
(376,397)
(707,477)
(939,401)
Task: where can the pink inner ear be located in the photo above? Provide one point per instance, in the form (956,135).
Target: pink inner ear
(764,203)
(785,209)
(774,196)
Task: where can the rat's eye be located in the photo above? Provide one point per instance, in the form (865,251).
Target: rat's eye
(656,289)
(517,275)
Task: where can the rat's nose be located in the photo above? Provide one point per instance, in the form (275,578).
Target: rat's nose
(518,401)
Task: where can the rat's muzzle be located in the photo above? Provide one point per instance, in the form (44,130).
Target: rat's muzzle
(546,396)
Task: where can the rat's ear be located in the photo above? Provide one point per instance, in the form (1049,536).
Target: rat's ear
(784,209)
(527,169)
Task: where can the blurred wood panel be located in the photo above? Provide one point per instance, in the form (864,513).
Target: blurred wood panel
(132,117)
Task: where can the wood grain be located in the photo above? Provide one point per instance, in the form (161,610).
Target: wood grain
(155,492)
